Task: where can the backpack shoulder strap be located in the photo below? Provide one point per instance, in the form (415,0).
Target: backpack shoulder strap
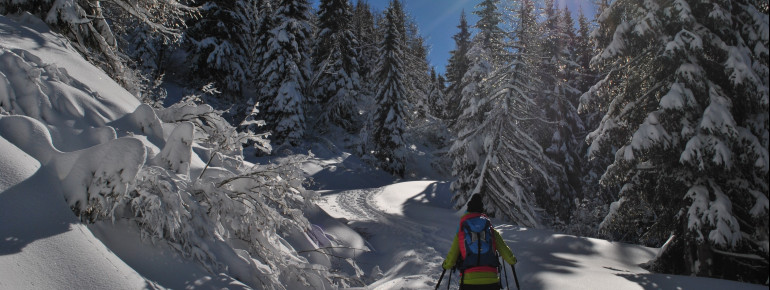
(470,216)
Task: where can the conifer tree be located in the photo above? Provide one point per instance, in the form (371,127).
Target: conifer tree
(466,151)
(484,55)
(595,199)
(363,24)
(494,154)
(436,96)
(563,124)
(336,65)
(148,54)
(365,27)
(457,65)
(416,68)
(286,70)
(685,93)
(583,51)
(217,51)
(388,122)
(489,31)
(265,22)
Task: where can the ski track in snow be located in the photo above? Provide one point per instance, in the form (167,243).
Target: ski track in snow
(420,266)
(362,204)
(358,204)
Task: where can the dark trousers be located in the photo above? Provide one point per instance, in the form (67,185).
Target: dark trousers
(495,286)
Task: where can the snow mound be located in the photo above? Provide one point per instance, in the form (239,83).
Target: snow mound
(89,177)
(42,244)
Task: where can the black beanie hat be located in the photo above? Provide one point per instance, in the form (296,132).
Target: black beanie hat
(475,204)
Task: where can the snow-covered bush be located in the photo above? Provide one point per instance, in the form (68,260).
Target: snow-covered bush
(245,206)
(178,173)
(213,131)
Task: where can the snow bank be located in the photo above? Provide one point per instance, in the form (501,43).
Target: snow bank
(16,164)
(42,244)
(45,49)
(90,178)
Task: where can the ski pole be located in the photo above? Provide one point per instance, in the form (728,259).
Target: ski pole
(449,280)
(513,269)
(440,278)
(507,285)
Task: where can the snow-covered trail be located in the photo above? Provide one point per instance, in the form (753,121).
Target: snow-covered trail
(408,246)
(409,227)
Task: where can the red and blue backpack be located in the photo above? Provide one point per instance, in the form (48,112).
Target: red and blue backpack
(477,244)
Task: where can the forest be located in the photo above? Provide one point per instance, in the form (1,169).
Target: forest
(647,123)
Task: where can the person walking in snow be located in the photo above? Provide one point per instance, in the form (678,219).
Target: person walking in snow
(475,249)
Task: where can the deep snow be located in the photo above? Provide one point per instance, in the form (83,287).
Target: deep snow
(396,231)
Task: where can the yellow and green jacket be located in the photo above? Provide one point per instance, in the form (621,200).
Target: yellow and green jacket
(475,276)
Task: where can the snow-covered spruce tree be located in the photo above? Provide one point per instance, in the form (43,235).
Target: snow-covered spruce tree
(87,25)
(417,75)
(436,94)
(490,32)
(218,47)
(264,24)
(286,71)
(416,68)
(527,39)
(582,51)
(512,172)
(563,126)
(335,57)
(507,162)
(457,65)
(365,30)
(485,55)
(465,153)
(387,124)
(593,207)
(686,95)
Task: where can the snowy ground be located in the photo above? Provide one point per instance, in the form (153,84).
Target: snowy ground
(396,231)
(410,225)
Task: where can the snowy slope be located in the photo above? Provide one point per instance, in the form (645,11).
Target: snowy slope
(59,121)
(410,226)
(62,64)
(43,245)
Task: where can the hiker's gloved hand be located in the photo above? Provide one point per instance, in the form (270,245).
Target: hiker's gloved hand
(446,265)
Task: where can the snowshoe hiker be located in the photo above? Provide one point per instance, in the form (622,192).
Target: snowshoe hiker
(475,250)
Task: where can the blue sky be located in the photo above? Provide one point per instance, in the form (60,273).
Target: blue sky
(438,20)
